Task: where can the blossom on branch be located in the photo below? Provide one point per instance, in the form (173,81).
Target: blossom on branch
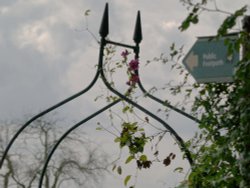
(124,54)
(133,80)
(134,64)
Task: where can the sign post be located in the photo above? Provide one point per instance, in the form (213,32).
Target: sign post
(208,60)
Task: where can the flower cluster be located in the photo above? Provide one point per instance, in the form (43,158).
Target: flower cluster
(133,66)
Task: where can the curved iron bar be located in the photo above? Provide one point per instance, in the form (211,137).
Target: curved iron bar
(147,94)
(169,128)
(66,134)
(137,39)
(45,112)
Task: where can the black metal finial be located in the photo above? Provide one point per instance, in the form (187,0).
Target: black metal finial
(104,29)
(138,32)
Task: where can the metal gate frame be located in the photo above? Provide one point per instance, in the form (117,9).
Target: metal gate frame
(104,31)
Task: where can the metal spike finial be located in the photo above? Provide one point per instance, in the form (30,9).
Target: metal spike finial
(104,29)
(138,31)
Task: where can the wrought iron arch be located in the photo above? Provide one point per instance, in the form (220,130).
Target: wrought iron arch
(104,31)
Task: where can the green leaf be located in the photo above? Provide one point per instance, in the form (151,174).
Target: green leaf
(117,139)
(230,21)
(179,169)
(130,158)
(156,153)
(114,167)
(195,19)
(119,170)
(125,109)
(86,13)
(167,161)
(141,130)
(98,128)
(143,158)
(126,180)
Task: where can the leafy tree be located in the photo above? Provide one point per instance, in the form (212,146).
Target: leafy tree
(78,166)
(221,149)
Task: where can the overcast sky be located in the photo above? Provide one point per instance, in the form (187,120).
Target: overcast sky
(47,55)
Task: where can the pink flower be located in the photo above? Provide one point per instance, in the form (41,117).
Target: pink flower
(134,64)
(124,54)
(133,80)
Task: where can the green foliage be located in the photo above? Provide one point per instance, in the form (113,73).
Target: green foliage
(230,21)
(192,18)
(119,170)
(126,180)
(132,137)
(130,158)
(221,150)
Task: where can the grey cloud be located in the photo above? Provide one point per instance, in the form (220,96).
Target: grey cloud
(31,74)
